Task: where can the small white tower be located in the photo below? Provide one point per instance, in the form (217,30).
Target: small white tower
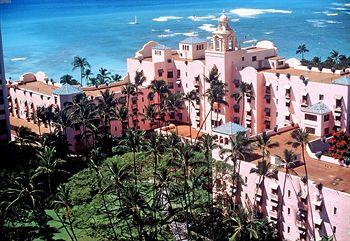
(223,38)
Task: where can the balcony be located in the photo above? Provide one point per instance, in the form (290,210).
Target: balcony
(301,225)
(337,123)
(337,108)
(274,197)
(302,206)
(273,214)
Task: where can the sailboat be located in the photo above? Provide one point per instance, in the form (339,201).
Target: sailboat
(135,21)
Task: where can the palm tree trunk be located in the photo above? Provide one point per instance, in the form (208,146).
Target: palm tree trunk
(201,127)
(189,118)
(308,191)
(64,225)
(242,116)
(279,216)
(154,194)
(70,223)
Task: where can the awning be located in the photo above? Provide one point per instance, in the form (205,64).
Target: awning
(338,97)
(267,84)
(178,81)
(287,100)
(303,195)
(302,232)
(318,203)
(274,186)
(274,204)
(318,221)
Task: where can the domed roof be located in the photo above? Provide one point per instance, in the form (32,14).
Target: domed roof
(223,18)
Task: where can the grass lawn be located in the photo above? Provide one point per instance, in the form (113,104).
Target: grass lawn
(62,234)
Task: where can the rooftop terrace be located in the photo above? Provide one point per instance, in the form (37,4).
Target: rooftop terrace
(38,86)
(330,175)
(319,77)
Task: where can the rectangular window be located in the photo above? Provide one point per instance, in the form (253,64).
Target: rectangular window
(335,210)
(320,97)
(311,117)
(254,58)
(310,130)
(245,179)
(326,131)
(288,193)
(338,103)
(246,196)
(242,58)
(160,72)
(170,74)
(326,118)
(158,52)
(288,229)
(178,73)
(288,210)
(169,60)
(334,229)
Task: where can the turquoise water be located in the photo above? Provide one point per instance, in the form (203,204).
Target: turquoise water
(46,35)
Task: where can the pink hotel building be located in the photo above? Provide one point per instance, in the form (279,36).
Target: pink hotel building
(285,94)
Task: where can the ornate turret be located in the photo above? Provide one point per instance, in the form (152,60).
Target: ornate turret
(223,37)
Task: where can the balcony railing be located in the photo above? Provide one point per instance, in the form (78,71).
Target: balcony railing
(301,224)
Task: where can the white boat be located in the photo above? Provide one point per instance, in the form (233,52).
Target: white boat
(135,21)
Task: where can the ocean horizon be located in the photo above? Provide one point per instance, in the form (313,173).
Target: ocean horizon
(46,35)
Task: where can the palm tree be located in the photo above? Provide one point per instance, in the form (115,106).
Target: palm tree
(263,169)
(190,97)
(288,162)
(184,153)
(95,161)
(25,137)
(155,144)
(245,225)
(244,90)
(207,144)
(82,64)
(215,94)
(87,75)
(240,147)
(22,191)
(106,109)
(93,81)
(150,113)
(128,90)
(301,139)
(68,79)
(139,78)
(62,120)
(334,56)
(48,164)
(173,104)
(264,142)
(84,116)
(160,88)
(120,173)
(103,76)
(133,141)
(302,50)
(116,78)
(63,201)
